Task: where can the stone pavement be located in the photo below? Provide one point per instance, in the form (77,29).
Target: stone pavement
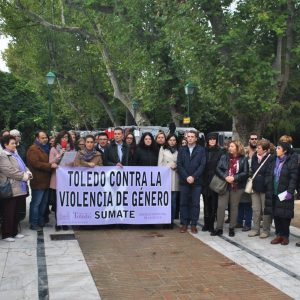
(155,263)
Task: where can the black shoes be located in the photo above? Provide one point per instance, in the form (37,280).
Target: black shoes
(204,228)
(231,232)
(217,232)
(246,228)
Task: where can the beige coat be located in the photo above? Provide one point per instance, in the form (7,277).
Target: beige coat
(9,168)
(168,159)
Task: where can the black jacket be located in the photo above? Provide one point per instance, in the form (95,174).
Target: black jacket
(146,156)
(213,154)
(111,157)
(241,177)
(259,179)
(191,165)
(287,182)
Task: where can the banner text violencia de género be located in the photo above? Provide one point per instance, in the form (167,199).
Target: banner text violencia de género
(113,195)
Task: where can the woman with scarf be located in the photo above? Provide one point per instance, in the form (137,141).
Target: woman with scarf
(210,198)
(89,156)
(131,142)
(147,151)
(168,158)
(233,168)
(63,142)
(12,168)
(281,182)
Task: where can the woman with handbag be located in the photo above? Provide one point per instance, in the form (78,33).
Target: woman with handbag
(259,165)
(281,182)
(13,179)
(233,168)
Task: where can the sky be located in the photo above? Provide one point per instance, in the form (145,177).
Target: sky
(3,45)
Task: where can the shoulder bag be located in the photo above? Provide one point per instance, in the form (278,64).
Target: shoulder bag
(5,189)
(218,185)
(249,184)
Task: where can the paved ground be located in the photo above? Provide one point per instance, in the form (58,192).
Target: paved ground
(148,263)
(165,264)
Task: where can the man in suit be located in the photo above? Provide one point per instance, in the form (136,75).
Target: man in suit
(102,142)
(116,154)
(191,161)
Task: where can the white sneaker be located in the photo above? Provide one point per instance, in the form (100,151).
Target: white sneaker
(9,239)
(253,233)
(19,236)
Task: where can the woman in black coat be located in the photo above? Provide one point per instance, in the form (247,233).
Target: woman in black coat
(281,182)
(233,168)
(261,161)
(147,151)
(210,198)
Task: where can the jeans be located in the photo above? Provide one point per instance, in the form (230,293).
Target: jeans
(38,206)
(245,213)
(173,205)
(189,204)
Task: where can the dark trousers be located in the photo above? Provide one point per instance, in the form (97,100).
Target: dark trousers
(10,217)
(282,226)
(245,213)
(189,204)
(210,200)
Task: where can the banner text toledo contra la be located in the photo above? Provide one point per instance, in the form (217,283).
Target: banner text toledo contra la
(113,195)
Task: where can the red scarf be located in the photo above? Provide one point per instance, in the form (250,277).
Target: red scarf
(233,169)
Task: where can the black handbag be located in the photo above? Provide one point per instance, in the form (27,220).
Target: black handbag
(5,189)
(218,185)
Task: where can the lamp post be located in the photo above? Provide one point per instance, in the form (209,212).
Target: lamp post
(50,77)
(188,90)
(135,106)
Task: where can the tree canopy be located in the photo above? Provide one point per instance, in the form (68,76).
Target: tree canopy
(107,55)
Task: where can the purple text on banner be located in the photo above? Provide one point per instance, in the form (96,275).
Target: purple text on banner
(113,195)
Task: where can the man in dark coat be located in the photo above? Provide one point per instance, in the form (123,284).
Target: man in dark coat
(190,165)
(116,154)
(102,142)
(38,164)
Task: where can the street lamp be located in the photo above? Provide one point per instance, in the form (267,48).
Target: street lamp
(135,106)
(188,90)
(50,77)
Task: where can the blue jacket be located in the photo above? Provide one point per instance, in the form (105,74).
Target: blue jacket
(191,165)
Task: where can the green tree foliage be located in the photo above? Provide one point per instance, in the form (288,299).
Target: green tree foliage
(20,107)
(243,60)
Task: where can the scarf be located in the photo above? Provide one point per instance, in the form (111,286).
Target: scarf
(233,169)
(278,167)
(45,147)
(87,155)
(22,167)
(260,157)
(59,147)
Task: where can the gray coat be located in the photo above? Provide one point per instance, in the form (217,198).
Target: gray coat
(9,168)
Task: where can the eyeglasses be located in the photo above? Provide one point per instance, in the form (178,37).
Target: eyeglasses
(253,138)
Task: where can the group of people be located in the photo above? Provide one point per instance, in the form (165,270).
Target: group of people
(274,171)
